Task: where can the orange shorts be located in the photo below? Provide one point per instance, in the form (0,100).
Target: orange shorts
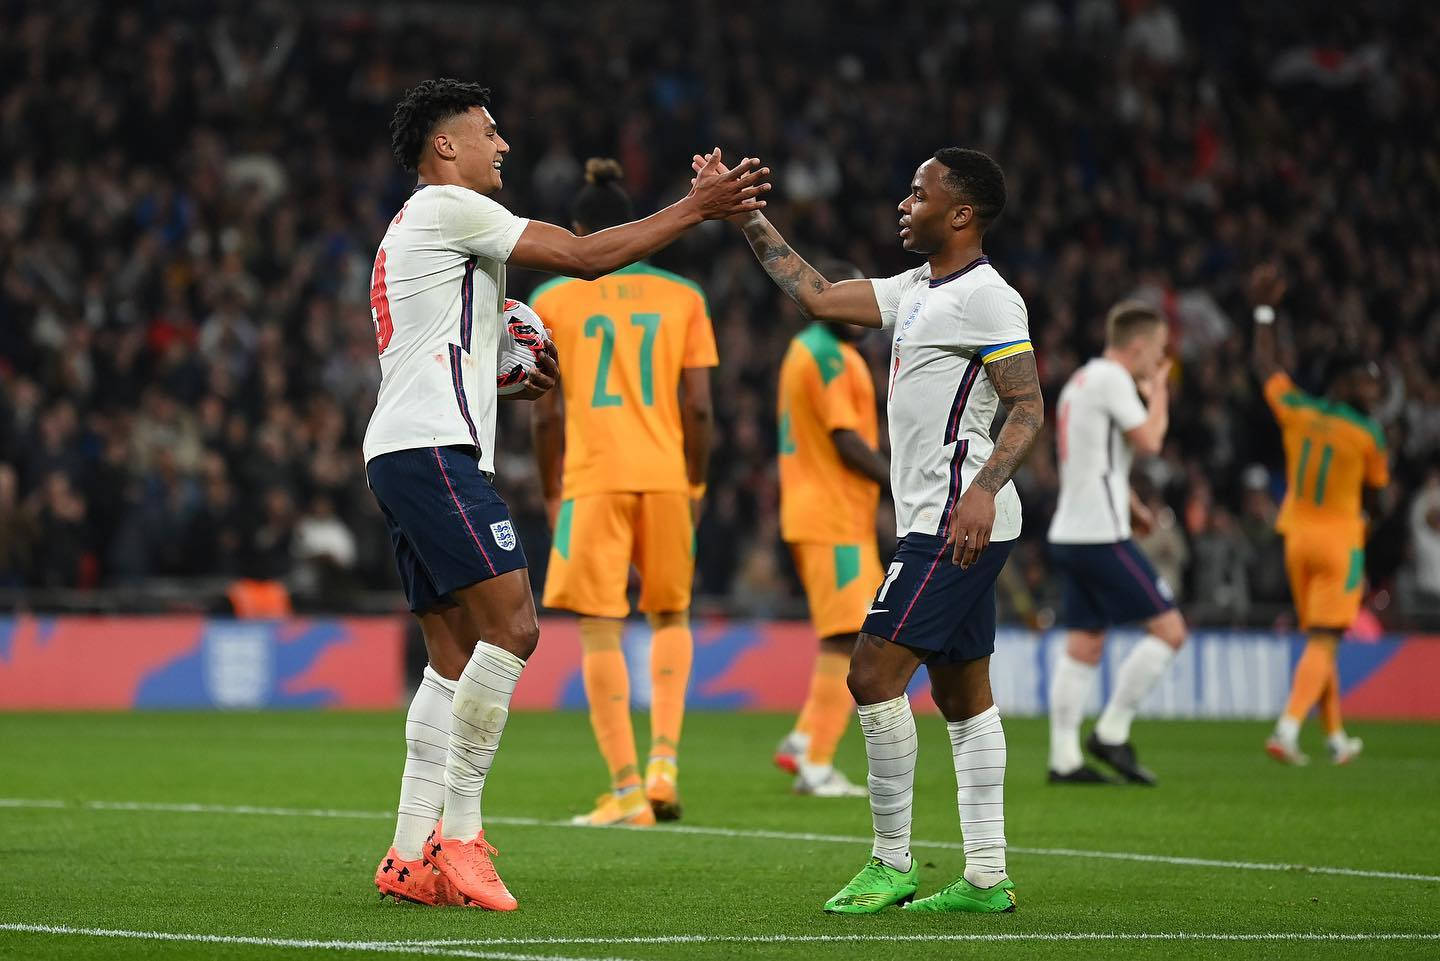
(1327,576)
(840,581)
(598,536)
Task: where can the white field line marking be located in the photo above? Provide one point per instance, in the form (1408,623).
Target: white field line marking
(448,948)
(379,947)
(178,808)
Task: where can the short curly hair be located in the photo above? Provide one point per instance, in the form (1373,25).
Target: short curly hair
(975,178)
(425,105)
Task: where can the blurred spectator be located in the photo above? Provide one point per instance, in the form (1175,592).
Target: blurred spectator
(1425,535)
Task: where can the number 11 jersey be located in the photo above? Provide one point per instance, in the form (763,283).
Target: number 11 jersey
(623,341)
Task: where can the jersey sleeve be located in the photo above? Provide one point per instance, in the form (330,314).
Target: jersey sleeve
(700,337)
(1277,387)
(1122,400)
(888,291)
(474,224)
(996,323)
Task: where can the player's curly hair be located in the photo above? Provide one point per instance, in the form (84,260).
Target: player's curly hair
(602,202)
(974,178)
(424,105)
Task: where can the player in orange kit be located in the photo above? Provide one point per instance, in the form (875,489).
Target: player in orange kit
(623,457)
(1334,458)
(830,480)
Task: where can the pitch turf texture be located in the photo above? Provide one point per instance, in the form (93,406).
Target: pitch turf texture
(297,883)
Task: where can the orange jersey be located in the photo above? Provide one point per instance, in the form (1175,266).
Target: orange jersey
(623,341)
(1332,452)
(824,386)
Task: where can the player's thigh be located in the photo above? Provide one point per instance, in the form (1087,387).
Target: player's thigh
(972,598)
(501,610)
(881,670)
(1122,585)
(1335,586)
(449,639)
(1080,608)
(590,555)
(665,551)
(839,582)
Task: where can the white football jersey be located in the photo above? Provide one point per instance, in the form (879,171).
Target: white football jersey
(1099,404)
(436,296)
(941,401)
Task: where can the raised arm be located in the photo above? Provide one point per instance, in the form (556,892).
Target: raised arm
(1265,289)
(849,301)
(716,193)
(1148,437)
(1017,383)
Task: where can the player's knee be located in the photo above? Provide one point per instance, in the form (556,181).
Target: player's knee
(520,637)
(1087,647)
(867,686)
(666,619)
(1170,628)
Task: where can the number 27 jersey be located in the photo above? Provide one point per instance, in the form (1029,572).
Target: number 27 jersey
(623,341)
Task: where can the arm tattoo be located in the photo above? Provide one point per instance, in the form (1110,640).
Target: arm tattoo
(787,268)
(1017,383)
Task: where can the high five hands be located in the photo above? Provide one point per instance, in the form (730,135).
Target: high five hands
(718,192)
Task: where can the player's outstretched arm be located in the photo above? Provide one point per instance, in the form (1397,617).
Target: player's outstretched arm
(1266,287)
(1017,383)
(717,193)
(848,302)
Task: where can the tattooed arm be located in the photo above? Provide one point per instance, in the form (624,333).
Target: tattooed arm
(849,301)
(1017,383)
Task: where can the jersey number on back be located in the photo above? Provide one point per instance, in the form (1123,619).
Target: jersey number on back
(604,327)
(1322,473)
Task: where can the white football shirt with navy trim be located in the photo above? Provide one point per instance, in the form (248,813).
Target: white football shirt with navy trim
(940,399)
(437,293)
(1098,406)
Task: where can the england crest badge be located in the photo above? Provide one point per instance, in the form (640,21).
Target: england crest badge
(504,535)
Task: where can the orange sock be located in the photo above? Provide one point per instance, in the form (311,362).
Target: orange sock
(1312,675)
(830,706)
(607,688)
(1330,703)
(672,648)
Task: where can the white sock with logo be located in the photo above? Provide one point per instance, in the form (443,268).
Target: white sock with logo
(482,704)
(1070,687)
(978,748)
(890,745)
(427,744)
(1138,673)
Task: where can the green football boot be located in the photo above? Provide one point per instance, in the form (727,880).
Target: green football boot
(964,896)
(875,888)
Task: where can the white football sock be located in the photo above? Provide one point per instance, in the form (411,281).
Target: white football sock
(1138,673)
(427,743)
(890,744)
(1069,693)
(1287,729)
(978,747)
(1339,741)
(482,703)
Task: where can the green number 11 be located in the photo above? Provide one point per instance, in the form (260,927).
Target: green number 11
(605,328)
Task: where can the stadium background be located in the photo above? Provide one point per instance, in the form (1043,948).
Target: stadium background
(190,198)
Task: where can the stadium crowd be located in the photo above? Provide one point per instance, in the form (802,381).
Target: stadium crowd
(191,196)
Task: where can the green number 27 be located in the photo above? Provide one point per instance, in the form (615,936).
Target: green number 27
(603,326)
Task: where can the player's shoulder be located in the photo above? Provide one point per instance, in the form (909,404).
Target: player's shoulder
(452,200)
(553,290)
(984,286)
(664,277)
(818,345)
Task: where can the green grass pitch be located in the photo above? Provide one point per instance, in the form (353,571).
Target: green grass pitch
(298,885)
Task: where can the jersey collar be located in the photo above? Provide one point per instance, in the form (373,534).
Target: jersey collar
(982,259)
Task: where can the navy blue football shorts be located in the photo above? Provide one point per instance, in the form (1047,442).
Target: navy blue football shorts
(1108,584)
(448,525)
(929,603)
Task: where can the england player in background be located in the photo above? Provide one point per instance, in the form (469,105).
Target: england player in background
(961,346)
(436,297)
(1115,406)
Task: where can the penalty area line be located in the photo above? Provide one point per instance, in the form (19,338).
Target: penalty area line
(741,833)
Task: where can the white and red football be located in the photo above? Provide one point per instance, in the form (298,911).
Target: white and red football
(522,340)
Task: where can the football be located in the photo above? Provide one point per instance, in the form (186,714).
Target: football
(522,339)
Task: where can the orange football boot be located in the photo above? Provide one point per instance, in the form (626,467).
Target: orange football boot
(412,881)
(469,871)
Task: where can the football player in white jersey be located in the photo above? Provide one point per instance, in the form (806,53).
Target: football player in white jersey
(1115,406)
(437,294)
(961,346)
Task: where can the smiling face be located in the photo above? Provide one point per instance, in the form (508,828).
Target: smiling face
(472,143)
(931,213)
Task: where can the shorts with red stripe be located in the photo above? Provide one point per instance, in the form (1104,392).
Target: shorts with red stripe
(927,602)
(449,526)
(1108,584)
